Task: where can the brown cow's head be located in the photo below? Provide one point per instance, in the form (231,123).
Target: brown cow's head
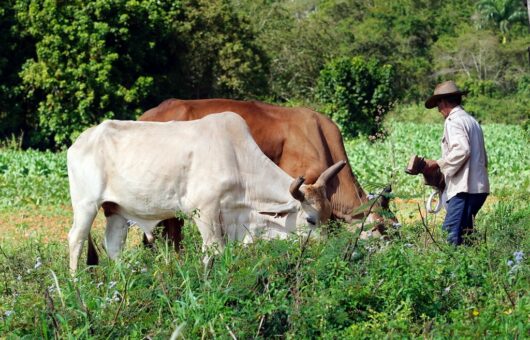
(315,206)
(310,205)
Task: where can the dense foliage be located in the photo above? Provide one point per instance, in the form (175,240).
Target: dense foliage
(410,286)
(356,93)
(113,59)
(68,65)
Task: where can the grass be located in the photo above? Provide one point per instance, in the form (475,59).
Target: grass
(410,285)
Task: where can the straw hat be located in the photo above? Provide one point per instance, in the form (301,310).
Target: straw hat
(447,88)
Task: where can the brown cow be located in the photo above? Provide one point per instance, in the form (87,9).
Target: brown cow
(299,140)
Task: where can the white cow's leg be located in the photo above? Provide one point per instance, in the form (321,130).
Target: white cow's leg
(115,235)
(212,239)
(84,215)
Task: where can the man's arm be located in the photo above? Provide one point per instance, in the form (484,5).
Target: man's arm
(459,150)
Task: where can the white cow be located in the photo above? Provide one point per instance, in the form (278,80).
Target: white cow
(146,171)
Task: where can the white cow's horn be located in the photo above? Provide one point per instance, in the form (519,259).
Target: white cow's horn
(294,188)
(330,172)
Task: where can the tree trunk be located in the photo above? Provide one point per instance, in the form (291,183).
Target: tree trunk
(525,2)
(528,9)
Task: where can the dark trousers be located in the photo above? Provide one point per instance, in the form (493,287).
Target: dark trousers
(461,212)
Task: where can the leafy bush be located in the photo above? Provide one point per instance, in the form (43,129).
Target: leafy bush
(14,51)
(506,110)
(510,109)
(96,60)
(523,87)
(356,93)
(478,87)
(92,61)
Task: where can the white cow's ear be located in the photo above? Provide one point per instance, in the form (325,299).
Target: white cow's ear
(280,210)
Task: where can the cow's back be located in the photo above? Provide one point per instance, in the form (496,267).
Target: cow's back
(117,158)
(301,141)
(266,127)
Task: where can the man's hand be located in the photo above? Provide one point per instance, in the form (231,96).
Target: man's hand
(430,166)
(432,174)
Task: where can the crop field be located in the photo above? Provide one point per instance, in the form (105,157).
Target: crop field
(410,284)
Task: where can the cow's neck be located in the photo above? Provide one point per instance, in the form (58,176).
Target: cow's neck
(266,183)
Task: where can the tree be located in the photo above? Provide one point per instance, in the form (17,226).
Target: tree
(114,59)
(14,50)
(298,40)
(94,60)
(220,56)
(525,3)
(471,55)
(401,33)
(502,13)
(357,93)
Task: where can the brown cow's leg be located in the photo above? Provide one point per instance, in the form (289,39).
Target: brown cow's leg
(146,242)
(173,232)
(92,258)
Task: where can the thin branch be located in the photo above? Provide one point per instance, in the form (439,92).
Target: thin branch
(304,246)
(297,273)
(424,223)
(508,294)
(85,309)
(262,319)
(51,311)
(228,328)
(348,253)
(119,309)
(260,325)
(3,253)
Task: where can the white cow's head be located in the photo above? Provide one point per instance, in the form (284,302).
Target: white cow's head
(310,205)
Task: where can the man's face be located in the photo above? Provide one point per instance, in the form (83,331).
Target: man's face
(443,108)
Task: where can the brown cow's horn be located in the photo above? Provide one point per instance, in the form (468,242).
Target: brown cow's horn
(294,189)
(330,172)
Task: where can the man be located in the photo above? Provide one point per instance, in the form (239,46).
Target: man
(463,164)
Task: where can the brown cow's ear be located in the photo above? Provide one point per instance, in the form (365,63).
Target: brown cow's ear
(280,210)
(275,215)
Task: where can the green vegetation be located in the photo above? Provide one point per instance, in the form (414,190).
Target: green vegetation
(32,178)
(408,285)
(356,94)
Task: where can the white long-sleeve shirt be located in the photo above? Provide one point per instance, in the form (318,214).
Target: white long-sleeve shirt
(464,160)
